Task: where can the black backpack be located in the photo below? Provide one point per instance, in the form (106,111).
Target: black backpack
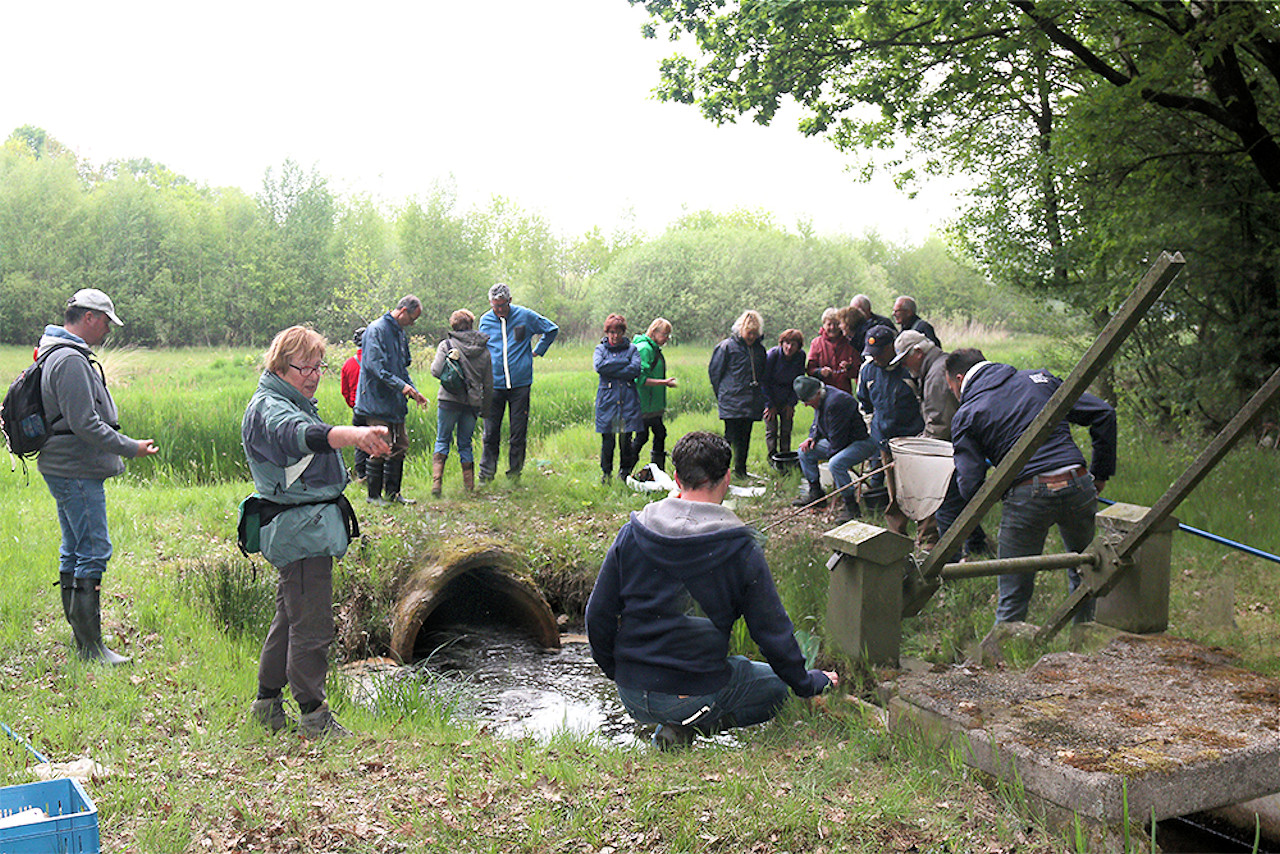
(22,413)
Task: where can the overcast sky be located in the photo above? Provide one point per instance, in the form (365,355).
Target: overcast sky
(547,103)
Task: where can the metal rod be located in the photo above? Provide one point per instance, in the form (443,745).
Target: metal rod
(1016,565)
(799,510)
(37,754)
(1201,467)
(1216,538)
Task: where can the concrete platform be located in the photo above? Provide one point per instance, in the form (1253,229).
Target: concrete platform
(1162,725)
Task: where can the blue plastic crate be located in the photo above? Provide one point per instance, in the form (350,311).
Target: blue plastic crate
(72,826)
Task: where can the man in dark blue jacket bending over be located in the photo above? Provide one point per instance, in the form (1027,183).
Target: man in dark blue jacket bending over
(997,405)
(674,582)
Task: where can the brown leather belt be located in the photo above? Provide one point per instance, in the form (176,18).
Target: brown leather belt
(1054,481)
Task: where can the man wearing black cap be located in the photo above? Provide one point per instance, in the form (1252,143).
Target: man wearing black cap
(884,394)
(84,449)
(838,435)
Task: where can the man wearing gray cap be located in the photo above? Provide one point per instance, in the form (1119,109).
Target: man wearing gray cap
(85,447)
(928,364)
(511,330)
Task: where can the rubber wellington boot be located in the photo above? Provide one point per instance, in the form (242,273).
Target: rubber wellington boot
(393,475)
(67,582)
(373,472)
(86,611)
(437,474)
(469,477)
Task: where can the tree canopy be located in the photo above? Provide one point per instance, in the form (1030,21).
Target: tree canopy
(1099,132)
(189,264)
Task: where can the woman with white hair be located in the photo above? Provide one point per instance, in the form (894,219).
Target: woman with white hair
(737,376)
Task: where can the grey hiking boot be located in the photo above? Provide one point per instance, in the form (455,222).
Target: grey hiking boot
(322,724)
(271,714)
(673,736)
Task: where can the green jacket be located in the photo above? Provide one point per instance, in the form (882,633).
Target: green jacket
(653,398)
(286,444)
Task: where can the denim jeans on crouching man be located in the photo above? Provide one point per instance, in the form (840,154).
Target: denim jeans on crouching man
(753,695)
(1026,515)
(82,515)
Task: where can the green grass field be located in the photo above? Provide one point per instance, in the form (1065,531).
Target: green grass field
(191,775)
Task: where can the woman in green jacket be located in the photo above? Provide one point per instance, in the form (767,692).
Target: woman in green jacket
(652,384)
(297,468)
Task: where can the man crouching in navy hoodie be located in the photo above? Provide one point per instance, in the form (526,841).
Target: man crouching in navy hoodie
(674,582)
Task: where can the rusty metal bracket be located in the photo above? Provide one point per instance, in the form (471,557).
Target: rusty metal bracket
(921,587)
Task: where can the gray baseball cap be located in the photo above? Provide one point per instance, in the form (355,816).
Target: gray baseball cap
(95,300)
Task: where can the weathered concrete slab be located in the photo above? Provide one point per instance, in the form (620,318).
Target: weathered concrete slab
(1147,726)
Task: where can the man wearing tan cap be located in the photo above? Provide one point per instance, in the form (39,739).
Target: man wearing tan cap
(84,449)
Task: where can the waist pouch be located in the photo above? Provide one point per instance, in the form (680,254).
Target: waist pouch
(257,512)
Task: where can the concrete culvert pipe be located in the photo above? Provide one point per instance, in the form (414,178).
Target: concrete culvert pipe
(482,587)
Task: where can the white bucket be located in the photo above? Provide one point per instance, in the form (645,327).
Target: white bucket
(921,473)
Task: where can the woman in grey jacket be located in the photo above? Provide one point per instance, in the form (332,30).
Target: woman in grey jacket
(737,377)
(460,410)
(297,467)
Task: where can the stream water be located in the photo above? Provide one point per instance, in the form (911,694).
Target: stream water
(502,679)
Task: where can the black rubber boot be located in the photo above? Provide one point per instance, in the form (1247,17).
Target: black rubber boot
(86,611)
(67,582)
(815,494)
(392,477)
(851,510)
(373,471)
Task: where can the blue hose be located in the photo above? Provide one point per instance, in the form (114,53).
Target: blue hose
(1217,539)
(37,754)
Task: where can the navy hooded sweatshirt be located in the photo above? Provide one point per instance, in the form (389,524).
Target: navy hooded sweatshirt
(676,579)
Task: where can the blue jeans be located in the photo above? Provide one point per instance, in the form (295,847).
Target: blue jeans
(753,695)
(82,515)
(949,511)
(1027,514)
(464,420)
(839,463)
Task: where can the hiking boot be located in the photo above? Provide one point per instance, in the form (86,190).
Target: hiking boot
(322,724)
(673,736)
(469,477)
(397,498)
(815,493)
(379,501)
(271,714)
(850,510)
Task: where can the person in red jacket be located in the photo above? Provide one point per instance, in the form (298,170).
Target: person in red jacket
(351,379)
(831,356)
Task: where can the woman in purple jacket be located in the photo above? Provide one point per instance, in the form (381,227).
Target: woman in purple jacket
(617,361)
(782,364)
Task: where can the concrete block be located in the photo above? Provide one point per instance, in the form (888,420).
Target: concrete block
(864,594)
(1147,727)
(1140,600)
